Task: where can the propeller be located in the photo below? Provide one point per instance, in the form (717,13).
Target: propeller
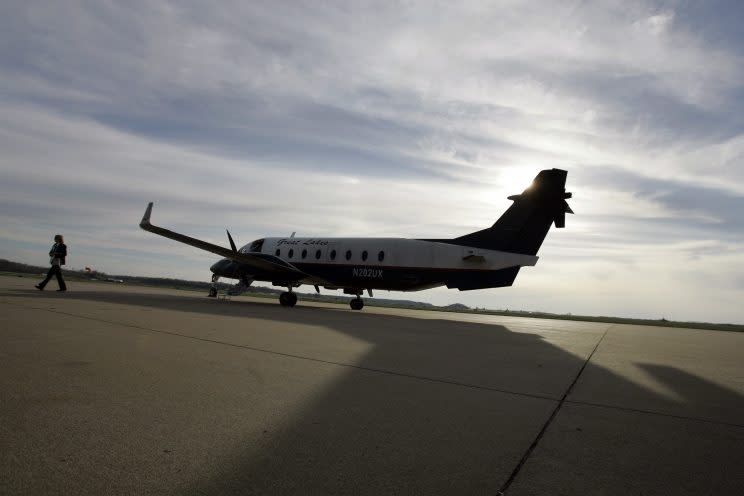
(232,243)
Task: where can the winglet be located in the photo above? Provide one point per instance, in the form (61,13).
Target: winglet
(146,218)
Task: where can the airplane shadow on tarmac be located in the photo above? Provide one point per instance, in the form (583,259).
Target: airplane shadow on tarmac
(436,406)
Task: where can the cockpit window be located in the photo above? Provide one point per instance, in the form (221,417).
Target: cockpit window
(256,246)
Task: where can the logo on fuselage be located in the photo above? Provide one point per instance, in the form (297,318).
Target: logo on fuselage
(368,273)
(302,242)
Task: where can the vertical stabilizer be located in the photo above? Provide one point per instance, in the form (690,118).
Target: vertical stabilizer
(523,227)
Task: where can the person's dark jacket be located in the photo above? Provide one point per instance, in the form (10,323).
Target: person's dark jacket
(59,251)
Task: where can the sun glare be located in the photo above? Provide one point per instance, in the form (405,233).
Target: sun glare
(514,180)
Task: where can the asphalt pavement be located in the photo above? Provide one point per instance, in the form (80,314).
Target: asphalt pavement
(112,389)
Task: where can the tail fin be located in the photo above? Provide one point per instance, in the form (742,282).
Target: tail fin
(523,227)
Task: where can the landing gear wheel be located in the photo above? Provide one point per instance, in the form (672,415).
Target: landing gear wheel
(356,304)
(212,293)
(288,299)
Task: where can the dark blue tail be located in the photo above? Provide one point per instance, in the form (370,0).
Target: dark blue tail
(523,227)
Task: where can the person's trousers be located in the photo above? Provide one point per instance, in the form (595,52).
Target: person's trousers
(54,270)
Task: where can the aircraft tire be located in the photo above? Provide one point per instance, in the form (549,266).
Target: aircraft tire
(356,304)
(212,293)
(288,299)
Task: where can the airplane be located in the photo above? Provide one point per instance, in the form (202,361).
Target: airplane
(489,258)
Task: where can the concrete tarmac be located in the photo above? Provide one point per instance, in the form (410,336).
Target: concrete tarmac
(111,389)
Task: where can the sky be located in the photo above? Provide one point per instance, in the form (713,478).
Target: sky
(405,119)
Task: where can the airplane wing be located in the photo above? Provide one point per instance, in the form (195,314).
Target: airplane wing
(258,261)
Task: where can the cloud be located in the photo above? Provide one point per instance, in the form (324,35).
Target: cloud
(393,119)
(657,24)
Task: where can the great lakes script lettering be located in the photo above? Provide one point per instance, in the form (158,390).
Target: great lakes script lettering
(302,241)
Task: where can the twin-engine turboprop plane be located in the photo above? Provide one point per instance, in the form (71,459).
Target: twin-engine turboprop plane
(489,258)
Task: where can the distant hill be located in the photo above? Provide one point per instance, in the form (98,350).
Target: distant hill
(8,266)
(457,307)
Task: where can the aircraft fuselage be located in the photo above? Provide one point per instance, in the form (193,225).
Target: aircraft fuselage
(380,263)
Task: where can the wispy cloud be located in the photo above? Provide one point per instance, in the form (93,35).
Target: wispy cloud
(408,119)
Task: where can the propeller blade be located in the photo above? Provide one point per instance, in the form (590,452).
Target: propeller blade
(232,243)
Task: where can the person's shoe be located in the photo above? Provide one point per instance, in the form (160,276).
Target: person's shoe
(40,288)
(61,290)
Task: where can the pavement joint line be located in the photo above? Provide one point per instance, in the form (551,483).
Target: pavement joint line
(290,355)
(651,412)
(550,419)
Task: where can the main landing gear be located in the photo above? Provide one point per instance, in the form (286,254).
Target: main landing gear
(288,299)
(356,303)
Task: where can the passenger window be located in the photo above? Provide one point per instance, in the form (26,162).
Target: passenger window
(348,254)
(317,255)
(333,254)
(364,255)
(381,256)
(291,252)
(304,254)
(278,252)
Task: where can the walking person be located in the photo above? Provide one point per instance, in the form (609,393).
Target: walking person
(57,258)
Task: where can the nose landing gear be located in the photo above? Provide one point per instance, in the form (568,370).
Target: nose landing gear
(356,303)
(213,287)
